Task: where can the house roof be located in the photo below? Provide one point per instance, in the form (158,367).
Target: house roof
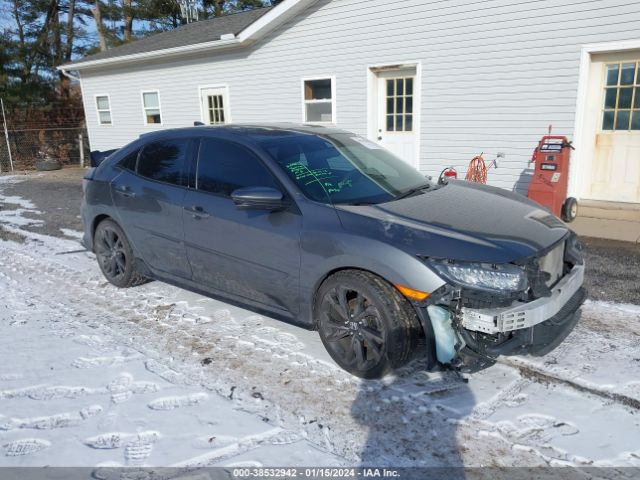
(237,29)
(190,34)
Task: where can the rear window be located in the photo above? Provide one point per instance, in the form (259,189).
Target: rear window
(164,161)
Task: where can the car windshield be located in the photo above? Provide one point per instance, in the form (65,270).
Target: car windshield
(343,168)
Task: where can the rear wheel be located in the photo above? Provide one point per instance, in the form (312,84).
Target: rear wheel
(115,255)
(365,324)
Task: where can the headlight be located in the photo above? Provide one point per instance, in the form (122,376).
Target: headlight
(481,276)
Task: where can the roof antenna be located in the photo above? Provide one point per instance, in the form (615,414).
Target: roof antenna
(188,10)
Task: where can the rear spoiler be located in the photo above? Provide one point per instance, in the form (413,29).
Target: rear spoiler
(97,157)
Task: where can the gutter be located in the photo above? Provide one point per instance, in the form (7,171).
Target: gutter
(167,52)
(263,25)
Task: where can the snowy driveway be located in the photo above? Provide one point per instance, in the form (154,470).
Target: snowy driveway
(92,375)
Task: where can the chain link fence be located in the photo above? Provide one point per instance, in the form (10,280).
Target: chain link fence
(35,132)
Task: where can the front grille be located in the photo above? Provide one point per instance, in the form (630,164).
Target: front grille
(553,264)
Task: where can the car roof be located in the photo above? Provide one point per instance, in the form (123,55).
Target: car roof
(254,131)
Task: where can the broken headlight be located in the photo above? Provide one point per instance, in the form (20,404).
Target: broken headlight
(483,276)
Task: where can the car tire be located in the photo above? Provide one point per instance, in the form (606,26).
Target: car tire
(366,325)
(115,255)
(570,210)
(48,165)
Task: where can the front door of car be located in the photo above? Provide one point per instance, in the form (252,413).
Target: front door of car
(253,254)
(148,196)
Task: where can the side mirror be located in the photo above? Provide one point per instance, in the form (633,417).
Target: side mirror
(259,198)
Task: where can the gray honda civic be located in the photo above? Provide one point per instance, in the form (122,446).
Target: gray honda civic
(327,230)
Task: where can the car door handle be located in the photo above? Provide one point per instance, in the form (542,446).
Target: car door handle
(125,191)
(197,211)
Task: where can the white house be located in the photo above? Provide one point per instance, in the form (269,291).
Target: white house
(436,81)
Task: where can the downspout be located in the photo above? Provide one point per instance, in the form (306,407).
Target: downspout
(68,75)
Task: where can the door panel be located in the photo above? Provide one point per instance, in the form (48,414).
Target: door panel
(151,211)
(253,254)
(250,253)
(615,169)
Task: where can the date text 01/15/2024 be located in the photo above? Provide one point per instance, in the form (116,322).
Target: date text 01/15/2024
(321,472)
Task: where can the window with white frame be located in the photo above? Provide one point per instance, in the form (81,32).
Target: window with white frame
(319,100)
(151,106)
(622,97)
(103,107)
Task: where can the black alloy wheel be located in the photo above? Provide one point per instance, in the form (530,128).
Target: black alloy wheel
(115,256)
(366,325)
(353,327)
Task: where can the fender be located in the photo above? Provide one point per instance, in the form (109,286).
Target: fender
(324,254)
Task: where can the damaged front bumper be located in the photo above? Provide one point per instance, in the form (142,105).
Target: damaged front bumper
(524,315)
(482,334)
(480,350)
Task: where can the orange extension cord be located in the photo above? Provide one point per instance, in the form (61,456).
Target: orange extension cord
(477,171)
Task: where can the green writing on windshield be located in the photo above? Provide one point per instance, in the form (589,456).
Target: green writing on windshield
(303,174)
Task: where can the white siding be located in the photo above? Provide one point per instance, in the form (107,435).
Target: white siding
(495,73)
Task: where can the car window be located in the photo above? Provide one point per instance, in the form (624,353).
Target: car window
(342,168)
(226,166)
(129,161)
(164,161)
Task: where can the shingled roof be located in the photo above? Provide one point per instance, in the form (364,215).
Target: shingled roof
(192,34)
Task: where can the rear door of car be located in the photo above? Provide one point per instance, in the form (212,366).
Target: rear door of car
(253,254)
(148,196)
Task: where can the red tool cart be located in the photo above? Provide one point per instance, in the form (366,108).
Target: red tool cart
(550,180)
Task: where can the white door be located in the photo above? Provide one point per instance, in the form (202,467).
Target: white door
(615,172)
(215,105)
(396,113)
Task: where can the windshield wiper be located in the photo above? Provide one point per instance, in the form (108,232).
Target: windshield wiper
(414,191)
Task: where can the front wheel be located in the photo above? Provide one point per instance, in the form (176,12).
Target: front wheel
(366,325)
(115,255)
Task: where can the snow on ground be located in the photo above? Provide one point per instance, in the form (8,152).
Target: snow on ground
(93,375)
(14,208)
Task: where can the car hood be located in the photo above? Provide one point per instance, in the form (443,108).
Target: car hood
(460,221)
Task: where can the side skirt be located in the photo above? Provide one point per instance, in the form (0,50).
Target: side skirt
(282,315)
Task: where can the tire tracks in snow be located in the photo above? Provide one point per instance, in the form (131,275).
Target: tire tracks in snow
(527,369)
(292,385)
(270,377)
(539,375)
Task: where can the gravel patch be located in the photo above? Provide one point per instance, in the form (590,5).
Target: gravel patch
(612,270)
(56,195)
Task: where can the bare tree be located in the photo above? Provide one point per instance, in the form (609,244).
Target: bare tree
(127,14)
(96,11)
